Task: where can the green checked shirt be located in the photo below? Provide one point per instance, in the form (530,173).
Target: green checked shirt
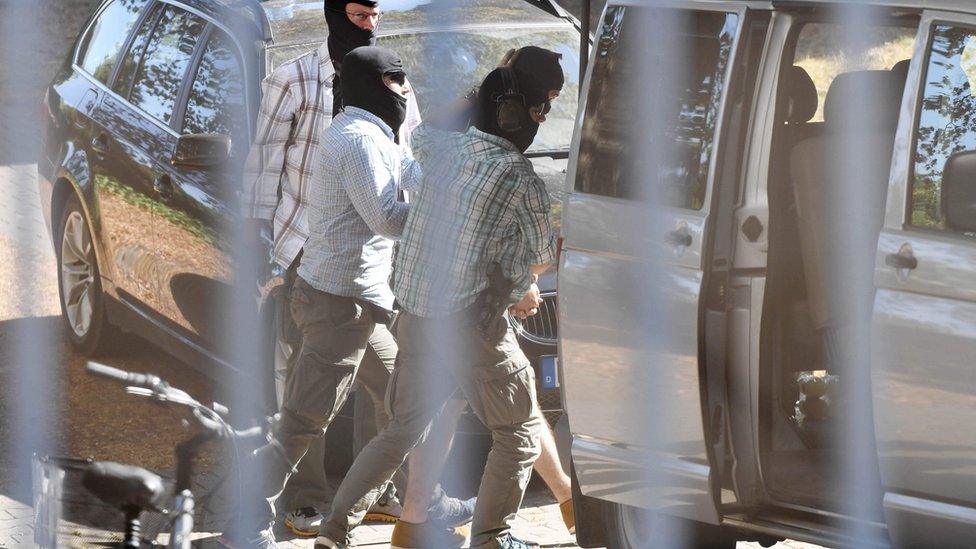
(480,204)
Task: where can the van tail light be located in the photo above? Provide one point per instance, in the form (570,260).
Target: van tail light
(559,251)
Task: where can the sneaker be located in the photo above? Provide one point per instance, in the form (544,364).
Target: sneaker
(304,522)
(325,542)
(569,515)
(512,542)
(407,535)
(387,508)
(255,540)
(448,511)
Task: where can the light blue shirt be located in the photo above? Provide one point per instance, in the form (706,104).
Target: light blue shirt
(353,211)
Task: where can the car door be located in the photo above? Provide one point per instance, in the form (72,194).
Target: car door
(134,127)
(924,319)
(631,271)
(122,228)
(199,214)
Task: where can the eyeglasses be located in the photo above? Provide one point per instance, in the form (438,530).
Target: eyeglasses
(363,16)
(541,109)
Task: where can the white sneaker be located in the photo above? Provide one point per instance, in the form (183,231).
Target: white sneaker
(304,522)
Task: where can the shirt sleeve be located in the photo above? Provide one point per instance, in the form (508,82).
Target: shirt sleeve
(265,164)
(535,223)
(372,188)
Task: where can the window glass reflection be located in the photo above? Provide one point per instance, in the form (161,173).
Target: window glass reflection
(168,53)
(947,124)
(107,36)
(653,106)
(216,103)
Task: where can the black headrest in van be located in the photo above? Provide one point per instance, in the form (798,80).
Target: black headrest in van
(864,100)
(802,96)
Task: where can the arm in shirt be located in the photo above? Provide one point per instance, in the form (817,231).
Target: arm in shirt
(369,182)
(536,229)
(265,165)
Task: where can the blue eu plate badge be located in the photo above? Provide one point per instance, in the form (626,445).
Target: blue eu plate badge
(550,371)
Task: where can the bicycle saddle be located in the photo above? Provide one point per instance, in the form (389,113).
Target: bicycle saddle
(124,486)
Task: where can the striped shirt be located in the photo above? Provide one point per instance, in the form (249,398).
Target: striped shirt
(353,210)
(480,204)
(296,107)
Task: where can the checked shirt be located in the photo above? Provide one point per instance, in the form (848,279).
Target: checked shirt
(480,204)
(296,108)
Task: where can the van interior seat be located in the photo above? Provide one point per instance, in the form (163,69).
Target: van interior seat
(801,104)
(840,180)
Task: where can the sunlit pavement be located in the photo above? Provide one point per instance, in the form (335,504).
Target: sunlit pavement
(97,419)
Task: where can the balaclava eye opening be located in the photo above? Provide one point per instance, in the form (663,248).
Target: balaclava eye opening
(362,84)
(344,36)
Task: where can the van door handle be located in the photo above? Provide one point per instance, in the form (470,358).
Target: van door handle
(901,261)
(100,144)
(164,186)
(679,237)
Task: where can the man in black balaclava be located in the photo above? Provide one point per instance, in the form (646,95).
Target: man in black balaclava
(351,25)
(373,75)
(537,78)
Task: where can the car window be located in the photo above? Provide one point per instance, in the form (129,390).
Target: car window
(947,121)
(160,75)
(137,49)
(106,37)
(653,104)
(216,102)
(823,51)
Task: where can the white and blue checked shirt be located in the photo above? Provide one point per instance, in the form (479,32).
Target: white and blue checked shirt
(353,212)
(480,204)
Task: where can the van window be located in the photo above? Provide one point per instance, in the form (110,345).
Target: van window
(653,104)
(106,37)
(824,51)
(947,122)
(216,103)
(160,75)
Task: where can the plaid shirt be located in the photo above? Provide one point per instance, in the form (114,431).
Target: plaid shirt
(296,107)
(353,209)
(481,203)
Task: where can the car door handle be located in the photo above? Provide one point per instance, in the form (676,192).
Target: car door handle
(164,186)
(100,144)
(901,261)
(679,237)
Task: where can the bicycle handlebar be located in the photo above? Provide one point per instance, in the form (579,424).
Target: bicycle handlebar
(129,378)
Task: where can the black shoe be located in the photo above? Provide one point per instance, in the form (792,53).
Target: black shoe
(512,542)
(450,512)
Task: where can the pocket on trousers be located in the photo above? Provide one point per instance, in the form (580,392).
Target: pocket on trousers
(506,399)
(344,310)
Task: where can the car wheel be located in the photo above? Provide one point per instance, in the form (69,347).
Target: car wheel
(635,528)
(80,286)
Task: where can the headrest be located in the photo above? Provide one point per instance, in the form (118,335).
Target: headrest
(864,100)
(900,70)
(802,96)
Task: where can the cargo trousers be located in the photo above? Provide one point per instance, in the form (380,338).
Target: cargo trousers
(438,356)
(336,332)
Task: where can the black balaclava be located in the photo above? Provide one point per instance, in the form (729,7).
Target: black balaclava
(344,36)
(363,86)
(536,71)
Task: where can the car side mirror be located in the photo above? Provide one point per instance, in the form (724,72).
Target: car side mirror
(959,192)
(202,150)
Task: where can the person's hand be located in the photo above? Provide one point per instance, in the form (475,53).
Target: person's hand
(528,305)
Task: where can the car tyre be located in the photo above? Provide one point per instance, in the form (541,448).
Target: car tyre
(80,285)
(635,528)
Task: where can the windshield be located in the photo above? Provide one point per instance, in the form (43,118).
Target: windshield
(445,64)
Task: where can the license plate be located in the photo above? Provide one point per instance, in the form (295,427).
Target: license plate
(550,371)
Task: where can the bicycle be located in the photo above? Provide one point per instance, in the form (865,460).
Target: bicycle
(134,489)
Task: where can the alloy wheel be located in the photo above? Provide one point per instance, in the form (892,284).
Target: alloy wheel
(78,274)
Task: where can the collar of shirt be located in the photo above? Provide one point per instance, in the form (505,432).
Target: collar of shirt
(493,139)
(363,114)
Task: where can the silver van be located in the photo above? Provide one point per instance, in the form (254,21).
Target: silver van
(767,278)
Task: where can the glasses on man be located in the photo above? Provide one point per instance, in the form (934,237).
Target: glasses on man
(363,16)
(541,109)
